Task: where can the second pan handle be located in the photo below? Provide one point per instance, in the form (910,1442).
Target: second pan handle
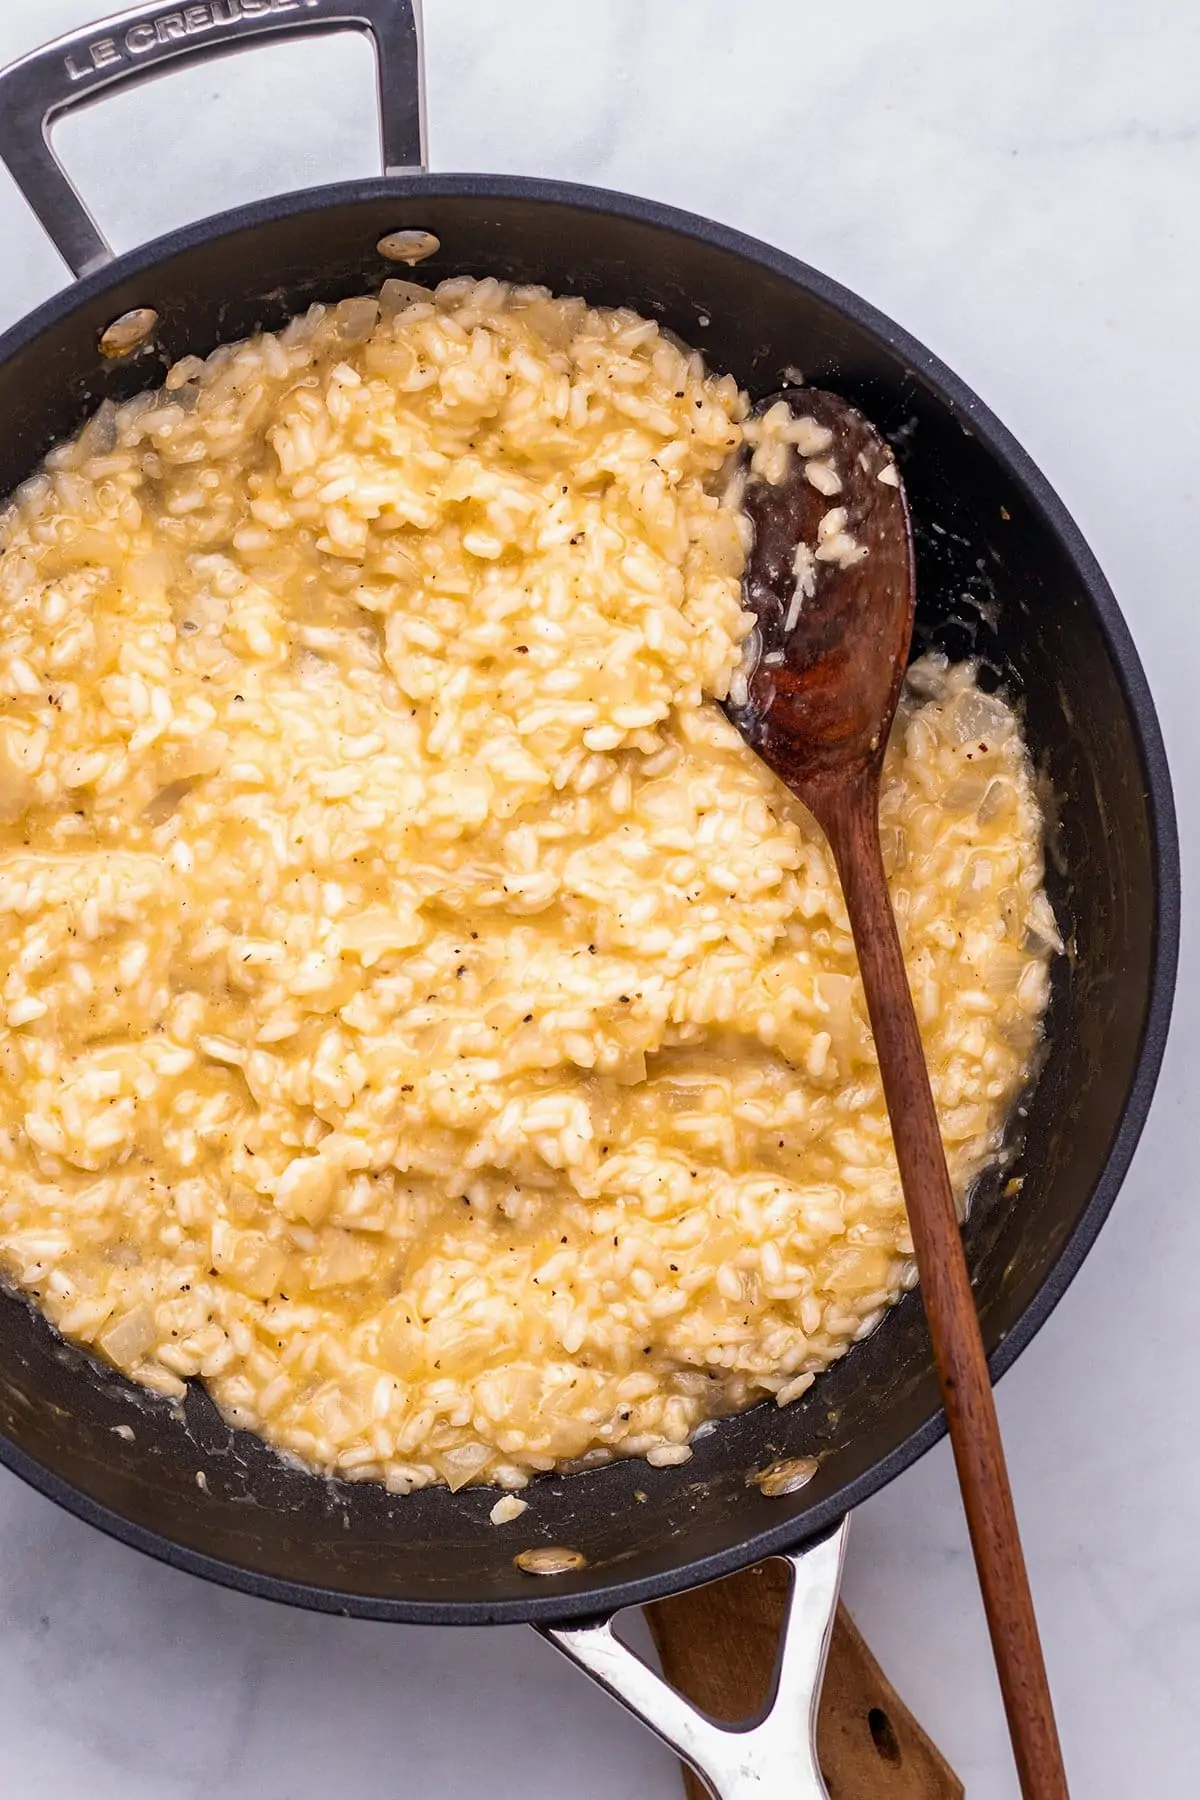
(136,45)
(773,1757)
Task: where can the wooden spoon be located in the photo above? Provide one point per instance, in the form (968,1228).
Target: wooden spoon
(818,708)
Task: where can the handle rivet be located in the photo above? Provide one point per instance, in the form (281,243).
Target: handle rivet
(787,1476)
(129,332)
(550,1561)
(409,247)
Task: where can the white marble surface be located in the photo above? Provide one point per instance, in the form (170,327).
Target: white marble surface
(1018,181)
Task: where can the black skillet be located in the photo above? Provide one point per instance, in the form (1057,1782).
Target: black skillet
(1003,575)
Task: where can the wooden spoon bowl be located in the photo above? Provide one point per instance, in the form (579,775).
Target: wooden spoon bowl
(826,703)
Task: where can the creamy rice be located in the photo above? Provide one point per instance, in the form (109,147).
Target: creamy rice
(425,1020)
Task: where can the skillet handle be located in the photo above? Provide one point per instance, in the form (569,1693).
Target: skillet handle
(773,1757)
(136,45)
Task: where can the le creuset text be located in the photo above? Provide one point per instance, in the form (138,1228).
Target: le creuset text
(175,26)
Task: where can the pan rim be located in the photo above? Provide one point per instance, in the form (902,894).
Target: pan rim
(608,1596)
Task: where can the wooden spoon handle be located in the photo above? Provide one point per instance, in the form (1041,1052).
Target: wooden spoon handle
(850,817)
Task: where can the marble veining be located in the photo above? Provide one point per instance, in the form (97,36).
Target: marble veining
(1018,184)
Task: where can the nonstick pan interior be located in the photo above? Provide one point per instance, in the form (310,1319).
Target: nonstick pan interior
(1003,576)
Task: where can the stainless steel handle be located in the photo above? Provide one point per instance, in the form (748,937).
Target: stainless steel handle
(136,45)
(773,1757)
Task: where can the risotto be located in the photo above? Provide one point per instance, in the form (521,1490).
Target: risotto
(423,1019)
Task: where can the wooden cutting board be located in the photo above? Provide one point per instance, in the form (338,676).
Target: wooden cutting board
(717,1646)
